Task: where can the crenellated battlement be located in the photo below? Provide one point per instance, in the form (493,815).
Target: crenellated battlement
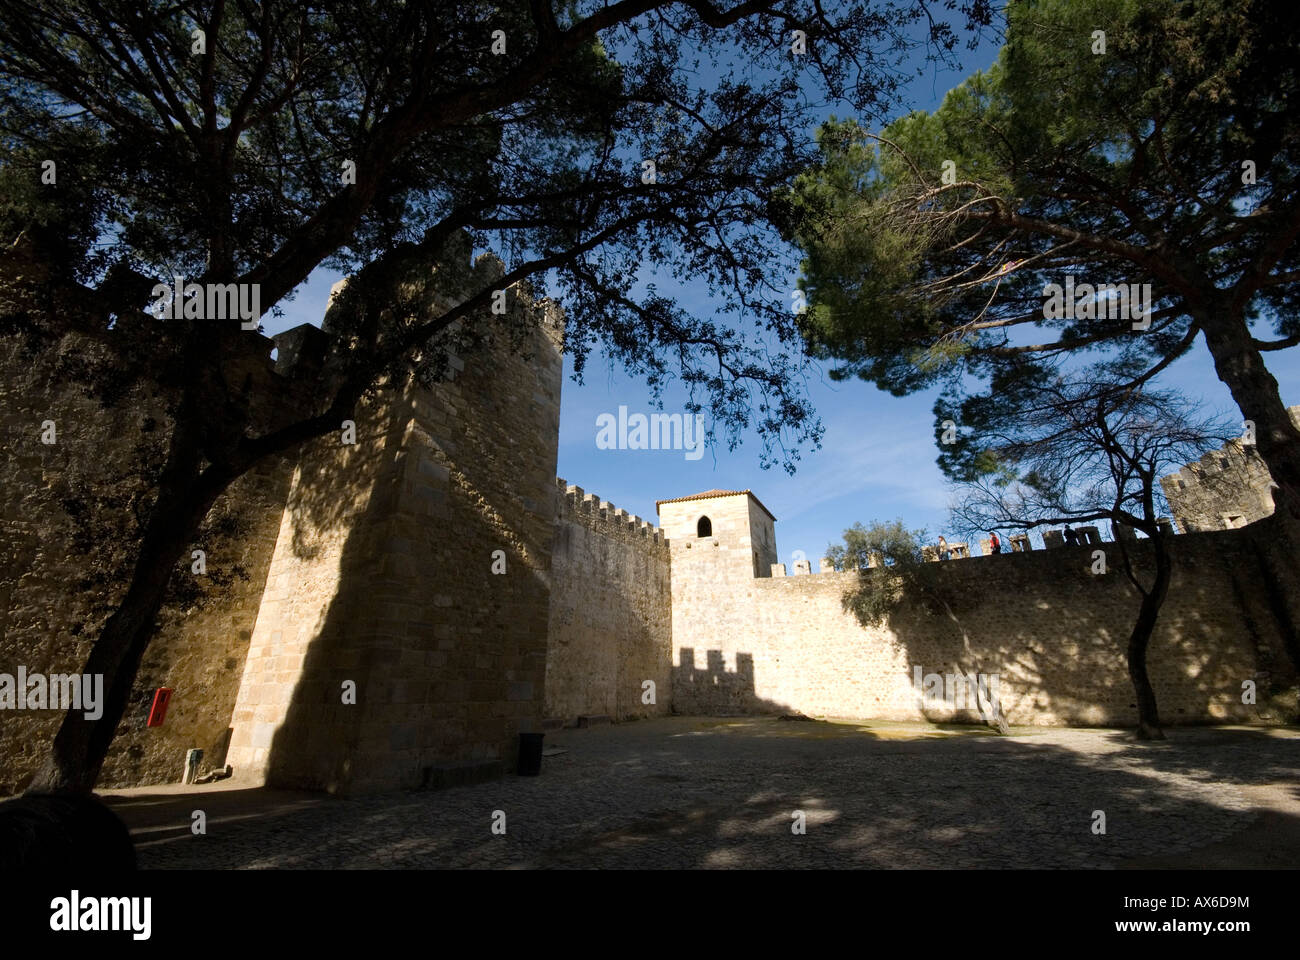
(1226,488)
(610,626)
(307,345)
(1090,538)
(602,515)
(1232,455)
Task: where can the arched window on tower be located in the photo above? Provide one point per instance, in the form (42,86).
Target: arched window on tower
(704,528)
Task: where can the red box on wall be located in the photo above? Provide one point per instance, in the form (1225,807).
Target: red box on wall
(158,711)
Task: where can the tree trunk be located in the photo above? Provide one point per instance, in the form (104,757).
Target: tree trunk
(1240,366)
(184,498)
(1140,639)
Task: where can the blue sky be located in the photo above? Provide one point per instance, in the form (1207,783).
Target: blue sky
(877,460)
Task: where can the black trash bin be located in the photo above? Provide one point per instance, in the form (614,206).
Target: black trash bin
(530,754)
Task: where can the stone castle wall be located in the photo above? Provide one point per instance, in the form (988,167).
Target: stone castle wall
(369,563)
(1051,630)
(383,579)
(610,616)
(63,550)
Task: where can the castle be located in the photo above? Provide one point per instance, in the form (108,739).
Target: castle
(1226,489)
(405,606)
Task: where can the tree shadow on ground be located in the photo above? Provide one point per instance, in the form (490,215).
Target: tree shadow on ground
(691,793)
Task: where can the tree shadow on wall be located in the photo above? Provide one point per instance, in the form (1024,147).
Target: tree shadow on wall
(1055,633)
(398,536)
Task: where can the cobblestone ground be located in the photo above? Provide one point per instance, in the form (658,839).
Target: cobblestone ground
(717,793)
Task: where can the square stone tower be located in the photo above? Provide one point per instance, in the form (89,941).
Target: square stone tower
(401,639)
(719,534)
(722,545)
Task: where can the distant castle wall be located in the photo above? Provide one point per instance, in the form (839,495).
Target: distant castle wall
(1052,631)
(610,613)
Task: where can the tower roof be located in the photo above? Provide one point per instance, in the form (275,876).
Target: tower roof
(712,494)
